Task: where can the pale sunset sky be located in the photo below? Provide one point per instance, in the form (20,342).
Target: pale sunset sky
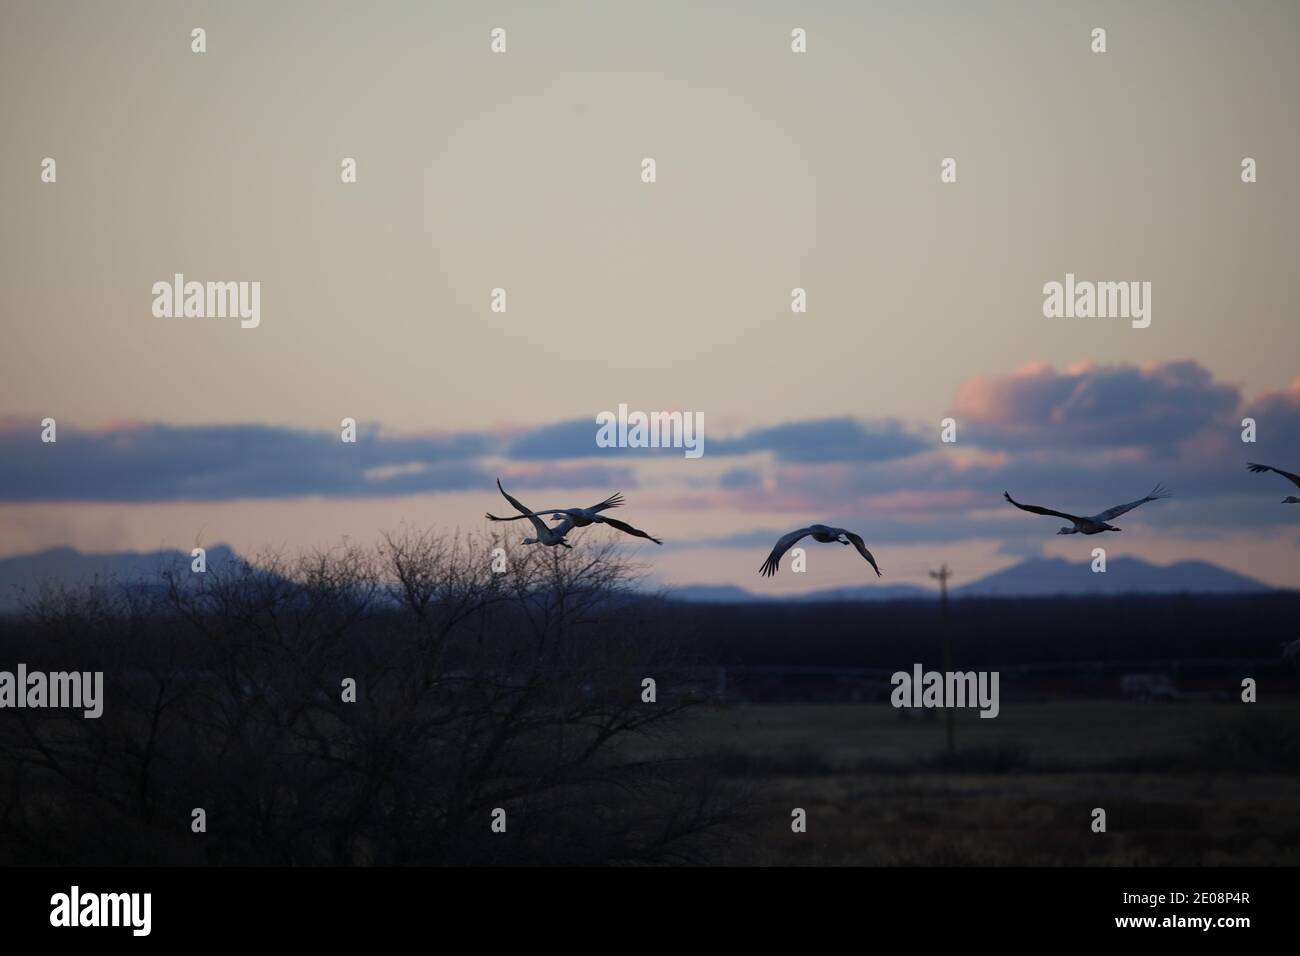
(775,170)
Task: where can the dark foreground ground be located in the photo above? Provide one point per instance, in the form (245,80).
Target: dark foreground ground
(1182,783)
(410,706)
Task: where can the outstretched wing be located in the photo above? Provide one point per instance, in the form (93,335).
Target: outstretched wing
(613,501)
(862,549)
(558,512)
(628,529)
(524,512)
(782,546)
(1295,479)
(1035,509)
(1157,493)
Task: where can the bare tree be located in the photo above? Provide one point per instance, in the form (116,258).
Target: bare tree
(474,691)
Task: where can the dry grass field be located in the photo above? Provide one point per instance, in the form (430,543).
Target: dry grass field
(1183,783)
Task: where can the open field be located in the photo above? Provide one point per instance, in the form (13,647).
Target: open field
(474,695)
(1182,783)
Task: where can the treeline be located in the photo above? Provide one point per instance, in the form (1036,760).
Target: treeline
(992,631)
(358,706)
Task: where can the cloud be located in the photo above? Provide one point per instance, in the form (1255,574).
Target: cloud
(816,440)
(158,462)
(1277,417)
(954,492)
(828,440)
(1152,407)
(571,439)
(155,462)
(1080,439)
(736,478)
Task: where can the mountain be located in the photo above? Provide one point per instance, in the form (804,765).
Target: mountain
(24,575)
(713,594)
(1045,577)
(1036,577)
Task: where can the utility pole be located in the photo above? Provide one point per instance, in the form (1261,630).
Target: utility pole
(942,576)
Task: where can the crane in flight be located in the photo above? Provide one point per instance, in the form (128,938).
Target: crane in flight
(1294,479)
(819,532)
(1091,524)
(570,518)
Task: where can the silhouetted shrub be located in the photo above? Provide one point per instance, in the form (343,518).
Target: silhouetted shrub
(474,691)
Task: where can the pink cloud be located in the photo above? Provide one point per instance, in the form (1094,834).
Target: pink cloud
(1153,406)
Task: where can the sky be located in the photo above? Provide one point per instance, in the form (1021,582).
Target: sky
(775,170)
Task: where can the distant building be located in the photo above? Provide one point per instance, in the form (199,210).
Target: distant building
(1147,687)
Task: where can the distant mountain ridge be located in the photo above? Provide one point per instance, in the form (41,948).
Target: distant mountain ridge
(1044,577)
(23,575)
(1035,577)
